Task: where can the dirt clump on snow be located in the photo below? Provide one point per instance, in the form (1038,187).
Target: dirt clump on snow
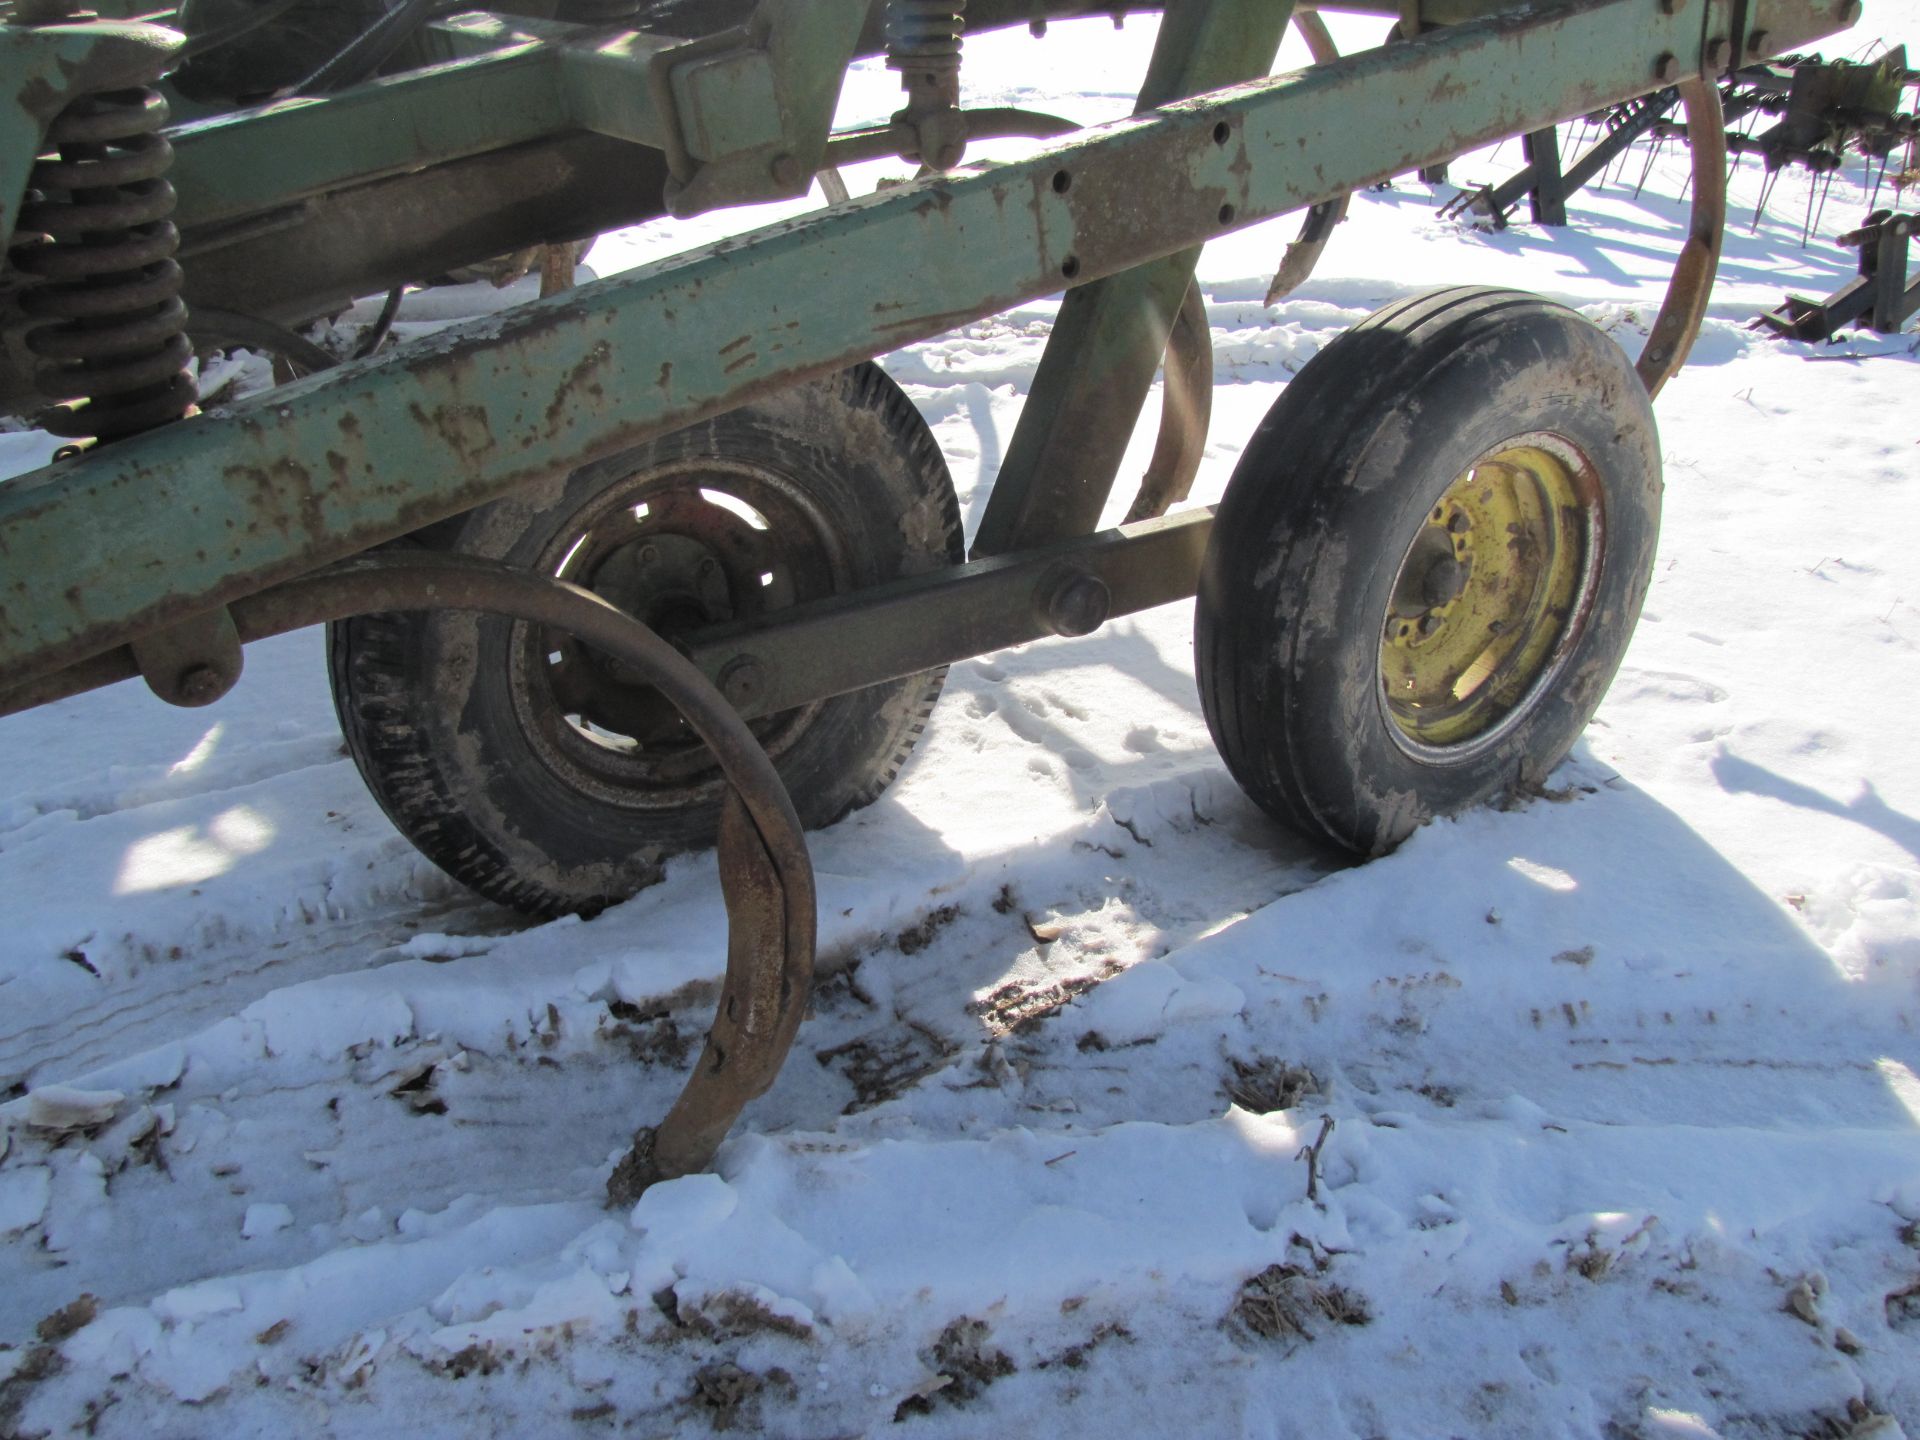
(882,1066)
(1286,1304)
(731,1394)
(964,1362)
(1265,1084)
(916,937)
(69,1319)
(1015,1008)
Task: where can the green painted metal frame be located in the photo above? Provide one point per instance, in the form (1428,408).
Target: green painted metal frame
(512,87)
(1107,341)
(101,548)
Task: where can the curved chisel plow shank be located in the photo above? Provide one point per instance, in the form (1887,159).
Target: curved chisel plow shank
(664,561)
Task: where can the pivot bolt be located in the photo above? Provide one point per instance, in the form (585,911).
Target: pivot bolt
(1078,604)
(742,681)
(1757,42)
(1718,53)
(200,685)
(1850,12)
(787,171)
(1667,68)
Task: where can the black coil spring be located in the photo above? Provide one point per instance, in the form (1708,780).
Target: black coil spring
(95,236)
(925,34)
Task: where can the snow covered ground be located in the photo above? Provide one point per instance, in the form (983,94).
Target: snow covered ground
(1621,1084)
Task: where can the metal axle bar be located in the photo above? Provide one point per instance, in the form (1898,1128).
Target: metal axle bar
(849,642)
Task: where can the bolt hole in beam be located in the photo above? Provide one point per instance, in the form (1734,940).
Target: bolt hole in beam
(1222,132)
(1070,266)
(1226,214)
(1062,182)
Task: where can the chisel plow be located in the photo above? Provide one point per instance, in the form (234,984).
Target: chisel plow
(662,560)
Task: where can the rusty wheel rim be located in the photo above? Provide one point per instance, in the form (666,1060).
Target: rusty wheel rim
(680,547)
(1490,596)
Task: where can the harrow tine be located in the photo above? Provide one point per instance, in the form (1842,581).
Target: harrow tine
(1653,152)
(1767,183)
(1825,190)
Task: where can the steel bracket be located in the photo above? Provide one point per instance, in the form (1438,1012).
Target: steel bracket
(744,114)
(193,663)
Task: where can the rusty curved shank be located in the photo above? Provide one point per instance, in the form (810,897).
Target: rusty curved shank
(765,874)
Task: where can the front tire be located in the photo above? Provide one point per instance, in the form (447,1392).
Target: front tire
(1427,565)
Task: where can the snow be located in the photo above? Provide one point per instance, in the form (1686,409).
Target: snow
(1623,1083)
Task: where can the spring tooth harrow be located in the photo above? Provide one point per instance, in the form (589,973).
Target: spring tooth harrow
(660,559)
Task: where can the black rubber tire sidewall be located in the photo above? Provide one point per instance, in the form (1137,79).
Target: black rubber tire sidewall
(1319,513)
(430,719)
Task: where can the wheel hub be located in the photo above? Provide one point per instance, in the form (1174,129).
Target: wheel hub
(680,549)
(1481,607)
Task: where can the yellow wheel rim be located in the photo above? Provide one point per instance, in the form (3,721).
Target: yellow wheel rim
(1490,594)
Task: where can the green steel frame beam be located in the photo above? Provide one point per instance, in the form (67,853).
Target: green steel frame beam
(1107,341)
(240,164)
(127,539)
(742,115)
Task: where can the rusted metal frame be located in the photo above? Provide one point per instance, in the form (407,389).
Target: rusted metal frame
(1879,297)
(1110,335)
(1546,186)
(766,877)
(1893,298)
(98,549)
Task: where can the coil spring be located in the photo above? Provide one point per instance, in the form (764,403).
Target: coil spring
(925,35)
(96,236)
